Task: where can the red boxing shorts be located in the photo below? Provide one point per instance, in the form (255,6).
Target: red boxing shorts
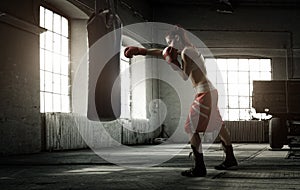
(204,115)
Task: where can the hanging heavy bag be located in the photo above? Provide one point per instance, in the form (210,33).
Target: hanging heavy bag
(104,23)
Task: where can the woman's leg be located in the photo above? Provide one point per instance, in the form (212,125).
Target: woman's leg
(224,135)
(199,169)
(230,160)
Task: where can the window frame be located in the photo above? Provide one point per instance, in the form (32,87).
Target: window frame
(125,106)
(63,96)
(226,96)
(129,41)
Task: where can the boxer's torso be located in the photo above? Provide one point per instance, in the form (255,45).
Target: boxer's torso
(197,64)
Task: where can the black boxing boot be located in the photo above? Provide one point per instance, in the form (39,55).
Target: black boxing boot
(230,162)
(199,170)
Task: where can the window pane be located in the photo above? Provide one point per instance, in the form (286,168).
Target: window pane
(224,114)
(124,68)
(265,76)
(222,89)
(125,89)
(65,27)
(42,102)
(265,65)
(244,102)
(243,65)
(223,102)
(48,61)
(56,103)
(56,63)
(42,59)
(243,89)
(42,17)
(139,100)
(48,81)
(48,19)
(234,114)
(251,89)
(56,43)
(254,76)
(232,77)
(56,83)
(57,23)
(233,64)
(244,77)
(42,81)
(254,64)
(233,102)
(42,40)
(48,102)
(65,46)
(49,41)
(222,64)
(222,77)
(233,89)
(65,104)
(245,114)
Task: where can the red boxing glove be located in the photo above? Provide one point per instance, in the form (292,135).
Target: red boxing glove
(170,54)
(130,51)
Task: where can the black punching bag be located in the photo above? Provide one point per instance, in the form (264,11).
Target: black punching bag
(103,71)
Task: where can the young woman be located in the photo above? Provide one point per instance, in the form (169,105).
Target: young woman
(204,114)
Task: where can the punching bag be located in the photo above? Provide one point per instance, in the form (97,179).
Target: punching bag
(104,24)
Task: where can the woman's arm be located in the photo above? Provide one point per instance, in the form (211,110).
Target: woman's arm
(131,51)
(155,52)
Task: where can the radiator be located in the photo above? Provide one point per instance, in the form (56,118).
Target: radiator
(138,131)
(65,131)
(248,131)
(61,132)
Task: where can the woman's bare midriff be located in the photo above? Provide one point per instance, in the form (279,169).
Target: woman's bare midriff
(197,77)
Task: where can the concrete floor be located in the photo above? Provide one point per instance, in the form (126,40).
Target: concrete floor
(259,168)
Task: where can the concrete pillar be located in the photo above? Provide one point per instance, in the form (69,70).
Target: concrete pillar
(20,123)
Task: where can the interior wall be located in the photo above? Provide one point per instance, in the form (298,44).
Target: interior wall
(67,130)
(20,122)
(134,11)
(78,66)
(271,32)
(265,32)
(21,128)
